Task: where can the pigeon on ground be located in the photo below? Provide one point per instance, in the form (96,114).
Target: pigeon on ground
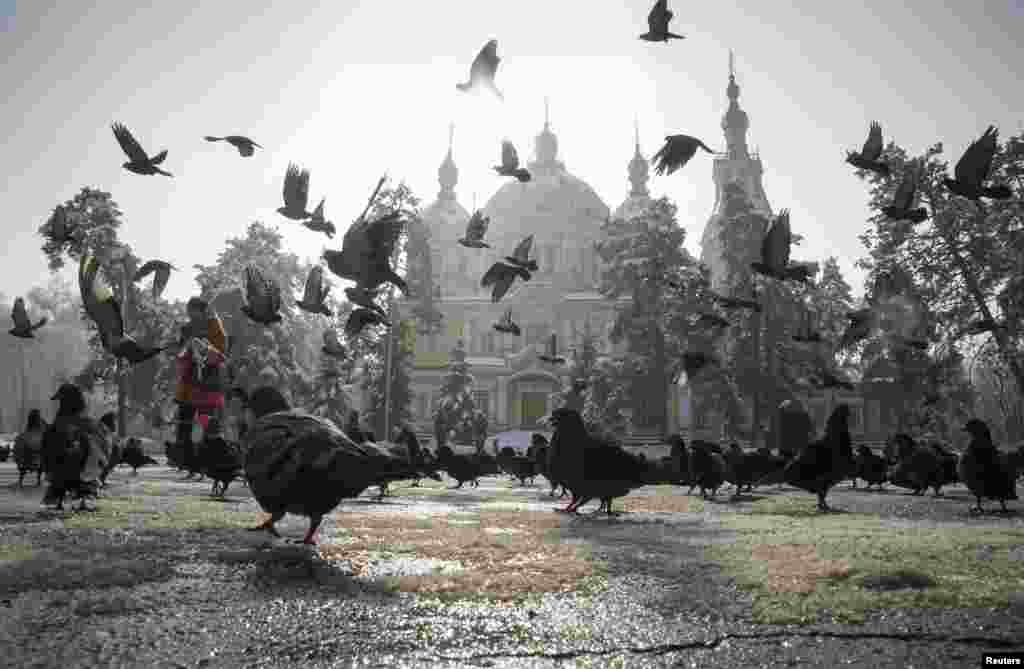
(314,298)
(483,69)
(243,144)
(317,222)
(985,471)
(476,229)
(678,151)
(510,163)
(104,309)
(139,162)
(23,327)
(903,200)
(161,271)
(262,296)
(868,158)
(657,24)
(295,193)
(972,170)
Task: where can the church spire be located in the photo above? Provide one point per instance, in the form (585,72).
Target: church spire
(448,174)
(638,167)
(735,121)
(546,144)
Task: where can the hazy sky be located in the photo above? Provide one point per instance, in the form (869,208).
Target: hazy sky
(353,89)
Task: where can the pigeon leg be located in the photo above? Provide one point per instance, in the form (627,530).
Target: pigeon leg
(269,523)
(314,525)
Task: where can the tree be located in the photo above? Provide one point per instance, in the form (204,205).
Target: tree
(455,407)
(966,259)
(286,354)
(644,258)
(997,401)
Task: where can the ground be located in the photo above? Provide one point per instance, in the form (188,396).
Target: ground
(164,576)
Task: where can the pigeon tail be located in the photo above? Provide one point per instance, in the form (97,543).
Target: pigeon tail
(209,138)
(464,87)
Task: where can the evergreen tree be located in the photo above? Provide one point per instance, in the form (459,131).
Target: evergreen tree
(400,392)
(455,407)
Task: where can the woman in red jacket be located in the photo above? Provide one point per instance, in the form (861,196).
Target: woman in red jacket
(200,363)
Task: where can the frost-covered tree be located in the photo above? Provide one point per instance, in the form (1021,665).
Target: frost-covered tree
(455,406)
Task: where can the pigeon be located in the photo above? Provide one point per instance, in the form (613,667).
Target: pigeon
(483,69)
(736,302)
(500,276)
(360,318)
(521,256)
(824,463)
(366,250)
(362,297)
(551,355)
(678,151)
(775,249)
(76,450)
(510,163)
(868,158)
(807,332)
(317,222)
(243,144)
(657,24)
(161,274)
(296,194)
(972,170)
(507,325)
(23,327)
(984,470)
(332,345)
(862,323)
(139,162)
(103,308)
(903,200)
(262,296)
(476,229)
(314,297)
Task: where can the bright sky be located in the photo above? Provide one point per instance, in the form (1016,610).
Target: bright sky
(353,89)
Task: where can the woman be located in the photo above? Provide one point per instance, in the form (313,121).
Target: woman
(200,368)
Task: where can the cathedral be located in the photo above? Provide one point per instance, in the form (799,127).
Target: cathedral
(565,216)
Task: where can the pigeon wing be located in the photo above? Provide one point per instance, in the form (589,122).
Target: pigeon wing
(781,237)
(129,144)
(873,146)
(383,233)
(509,157)
(486,62)
(904,197)
(302,190)
(494,274)
(314,286)
(291,186)
(974,164)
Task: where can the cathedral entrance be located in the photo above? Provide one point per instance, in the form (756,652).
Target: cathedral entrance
(534,405)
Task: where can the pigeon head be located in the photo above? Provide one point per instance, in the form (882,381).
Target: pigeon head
(978,430)
(71,399)
(566,418)
(266,400)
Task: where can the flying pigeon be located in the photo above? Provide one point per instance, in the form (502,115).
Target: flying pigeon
(296,194)
(510,163)
(521,256)
(507,325)
(657,24)
(476,229)
(973,168)
(317,222)
(775,249)
(103,308)
(551,355)
(362,297)
(678,151)
(262,296)
(332,345)
(314,297)
(366,251)
(868,158)
(243,144)
(138,162)
(903,200)
(360,318)
(501,276)
(483,69)
(23,327)
(161,274)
